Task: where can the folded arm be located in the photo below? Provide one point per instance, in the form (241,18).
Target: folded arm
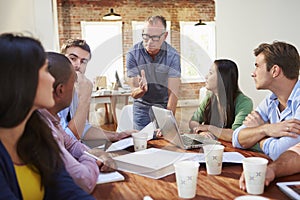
(256,130)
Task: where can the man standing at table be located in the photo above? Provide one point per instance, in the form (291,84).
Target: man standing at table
(275,123)
(74,118)
(154,71)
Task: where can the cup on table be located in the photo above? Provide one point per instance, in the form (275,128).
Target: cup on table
(213,158)
(140,141)
(186,173)
(255,172)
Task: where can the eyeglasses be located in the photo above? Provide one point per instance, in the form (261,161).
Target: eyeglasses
(74,58)
(155,38)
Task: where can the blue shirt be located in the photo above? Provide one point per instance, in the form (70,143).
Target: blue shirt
(166,64)
(270,113)
(64,118)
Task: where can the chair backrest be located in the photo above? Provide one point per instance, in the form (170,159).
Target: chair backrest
(125,121)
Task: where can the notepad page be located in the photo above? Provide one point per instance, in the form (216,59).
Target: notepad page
(109,177)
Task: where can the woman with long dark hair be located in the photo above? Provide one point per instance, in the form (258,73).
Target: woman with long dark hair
(225,107)
(30,162)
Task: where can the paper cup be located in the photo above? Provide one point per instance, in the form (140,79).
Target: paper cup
(213,158)
(255,172)
(186,173)
(139,141)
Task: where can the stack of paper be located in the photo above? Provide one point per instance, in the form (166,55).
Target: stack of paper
(153,163)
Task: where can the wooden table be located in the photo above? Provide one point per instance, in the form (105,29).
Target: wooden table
(224,186)
(111,99)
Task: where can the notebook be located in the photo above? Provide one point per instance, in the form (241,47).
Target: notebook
(110,177)
(152,163)
(168,125)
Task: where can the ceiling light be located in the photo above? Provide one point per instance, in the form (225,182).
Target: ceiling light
(200,23)
(112,16)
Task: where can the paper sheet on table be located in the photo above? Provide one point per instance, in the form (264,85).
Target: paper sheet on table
(228,157)
(110,177)
(127,142)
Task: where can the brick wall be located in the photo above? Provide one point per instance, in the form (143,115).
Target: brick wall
(71,12)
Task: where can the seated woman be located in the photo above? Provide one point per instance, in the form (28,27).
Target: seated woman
(225,107)
(30,162)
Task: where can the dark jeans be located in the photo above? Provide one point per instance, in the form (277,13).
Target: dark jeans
(143,114)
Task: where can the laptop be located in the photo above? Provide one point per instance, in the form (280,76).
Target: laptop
(168,125)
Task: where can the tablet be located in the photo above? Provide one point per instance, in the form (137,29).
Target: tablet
(291,189)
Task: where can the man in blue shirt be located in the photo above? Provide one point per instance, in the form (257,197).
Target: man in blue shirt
(154,71)
(74,118)
(275,123)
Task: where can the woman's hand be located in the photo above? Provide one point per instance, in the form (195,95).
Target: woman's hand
(207,135)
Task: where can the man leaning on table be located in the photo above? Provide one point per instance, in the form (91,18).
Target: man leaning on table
(83,169)
(74,118)
(275,123)
(153,68)
(288,163)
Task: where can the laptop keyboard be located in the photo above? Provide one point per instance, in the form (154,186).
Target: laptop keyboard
(201,139)
(189,141)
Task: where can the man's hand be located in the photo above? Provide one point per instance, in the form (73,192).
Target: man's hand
(125,134)
(289,128)
(139,85)
(84,87)
(253,120)
(108,164)
(270,176)
(143,84)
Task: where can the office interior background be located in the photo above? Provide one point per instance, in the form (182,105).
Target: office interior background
(240,26)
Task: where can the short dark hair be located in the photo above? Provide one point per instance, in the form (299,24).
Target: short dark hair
(76,43)
(59,67)
(154,19)
(282,54)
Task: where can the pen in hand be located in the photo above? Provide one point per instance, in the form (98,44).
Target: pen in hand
(93,156)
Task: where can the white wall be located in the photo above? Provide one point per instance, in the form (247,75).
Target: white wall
(36,17)
(241,25)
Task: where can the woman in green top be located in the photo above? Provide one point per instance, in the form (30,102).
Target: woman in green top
(225,107)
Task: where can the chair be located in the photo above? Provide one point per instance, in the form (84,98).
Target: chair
(125,121)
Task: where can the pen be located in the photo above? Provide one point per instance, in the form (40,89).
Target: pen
(92,156)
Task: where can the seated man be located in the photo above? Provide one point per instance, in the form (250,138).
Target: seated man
(74,118)
(83,169)
(288,163)
(275,123)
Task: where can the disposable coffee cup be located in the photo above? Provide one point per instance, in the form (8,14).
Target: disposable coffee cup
(186,173)
(255,172)
(213,158)
(140,141)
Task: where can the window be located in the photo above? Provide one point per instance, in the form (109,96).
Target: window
(197,46)
(105,40)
